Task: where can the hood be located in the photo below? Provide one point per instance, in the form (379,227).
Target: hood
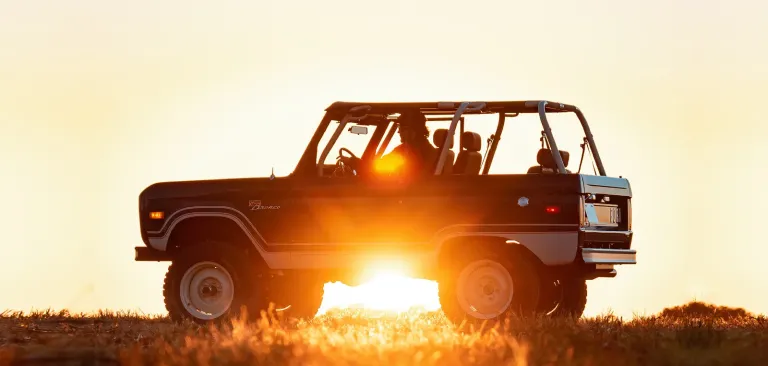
(204,188)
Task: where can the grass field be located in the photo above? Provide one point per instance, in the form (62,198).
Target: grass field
(693,334)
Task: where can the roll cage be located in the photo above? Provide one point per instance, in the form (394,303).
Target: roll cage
(381,116)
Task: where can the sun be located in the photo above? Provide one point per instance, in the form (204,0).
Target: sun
(387,290)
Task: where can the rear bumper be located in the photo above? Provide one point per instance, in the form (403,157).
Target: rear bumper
(601,261)
(599,256)
(145,254)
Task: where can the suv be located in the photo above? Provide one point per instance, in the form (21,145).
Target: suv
(497,244)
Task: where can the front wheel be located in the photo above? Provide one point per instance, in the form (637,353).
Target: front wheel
(211,282)
(488,286)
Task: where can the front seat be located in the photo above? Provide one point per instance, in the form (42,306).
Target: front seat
(547,164)
(438,138)
(469,159)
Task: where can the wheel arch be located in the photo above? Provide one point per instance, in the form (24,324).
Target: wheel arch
(453,248)
(215,228)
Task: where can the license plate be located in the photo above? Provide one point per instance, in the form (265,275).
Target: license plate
(602,215)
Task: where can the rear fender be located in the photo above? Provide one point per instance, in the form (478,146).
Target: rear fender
(552,249)
(549,248)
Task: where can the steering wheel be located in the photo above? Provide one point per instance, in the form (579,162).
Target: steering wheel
(351,154)
(345,164)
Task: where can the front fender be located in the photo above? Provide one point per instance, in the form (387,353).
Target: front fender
(158,239)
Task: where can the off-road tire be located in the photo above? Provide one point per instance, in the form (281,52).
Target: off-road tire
(247,282)
(573,298)
(550,294)
(525,283)
(297,296)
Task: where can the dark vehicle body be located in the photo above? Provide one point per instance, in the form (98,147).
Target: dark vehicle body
(328,226)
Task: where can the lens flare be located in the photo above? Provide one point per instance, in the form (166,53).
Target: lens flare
(387,291)
(389,164)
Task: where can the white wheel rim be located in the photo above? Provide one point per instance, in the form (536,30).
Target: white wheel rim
(206,290)
(484,289)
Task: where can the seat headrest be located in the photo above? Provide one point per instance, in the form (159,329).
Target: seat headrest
(471,141)
(544,158)
(438,138)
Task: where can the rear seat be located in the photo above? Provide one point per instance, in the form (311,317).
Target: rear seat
(547,164)
(469,160)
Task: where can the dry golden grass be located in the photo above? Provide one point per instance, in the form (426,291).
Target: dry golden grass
(693,334)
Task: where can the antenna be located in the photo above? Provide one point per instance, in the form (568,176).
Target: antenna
(272,176)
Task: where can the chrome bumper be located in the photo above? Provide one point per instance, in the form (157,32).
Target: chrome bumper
(609,256)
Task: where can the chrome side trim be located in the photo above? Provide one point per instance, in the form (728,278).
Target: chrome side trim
(609,256)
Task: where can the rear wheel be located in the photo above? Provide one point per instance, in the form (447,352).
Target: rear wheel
(210,282)
(573,298)
(297,295)
(488,286)
(563,297)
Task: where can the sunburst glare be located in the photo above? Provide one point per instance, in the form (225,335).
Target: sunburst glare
(387,291)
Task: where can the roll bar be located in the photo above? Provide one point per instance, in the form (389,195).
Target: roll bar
(542,107)
(387,139)
(496,138)
(465,106)
(357,113)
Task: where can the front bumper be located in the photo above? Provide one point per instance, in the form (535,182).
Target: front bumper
(145,254)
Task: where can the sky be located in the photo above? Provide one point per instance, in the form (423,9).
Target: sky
(101,99)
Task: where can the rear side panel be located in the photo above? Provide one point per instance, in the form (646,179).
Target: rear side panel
(531,203)
(539,212)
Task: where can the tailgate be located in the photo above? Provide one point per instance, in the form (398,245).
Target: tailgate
(601,185)
(607,203)
(606,218)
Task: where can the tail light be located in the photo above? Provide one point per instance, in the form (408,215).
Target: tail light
(552,209)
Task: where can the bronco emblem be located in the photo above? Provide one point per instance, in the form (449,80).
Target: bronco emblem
(256,205)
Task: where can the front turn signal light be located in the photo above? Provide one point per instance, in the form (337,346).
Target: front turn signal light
(156,215)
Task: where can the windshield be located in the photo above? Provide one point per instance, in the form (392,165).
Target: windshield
(350,138)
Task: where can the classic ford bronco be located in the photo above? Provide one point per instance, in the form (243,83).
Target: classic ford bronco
(524,243)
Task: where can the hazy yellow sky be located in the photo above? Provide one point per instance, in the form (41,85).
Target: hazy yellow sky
(100,99)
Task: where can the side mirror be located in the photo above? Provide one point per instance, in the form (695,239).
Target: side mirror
(358,130)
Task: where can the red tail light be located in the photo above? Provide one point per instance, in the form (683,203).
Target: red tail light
(553,209)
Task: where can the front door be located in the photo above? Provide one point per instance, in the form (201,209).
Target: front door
(346,212)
